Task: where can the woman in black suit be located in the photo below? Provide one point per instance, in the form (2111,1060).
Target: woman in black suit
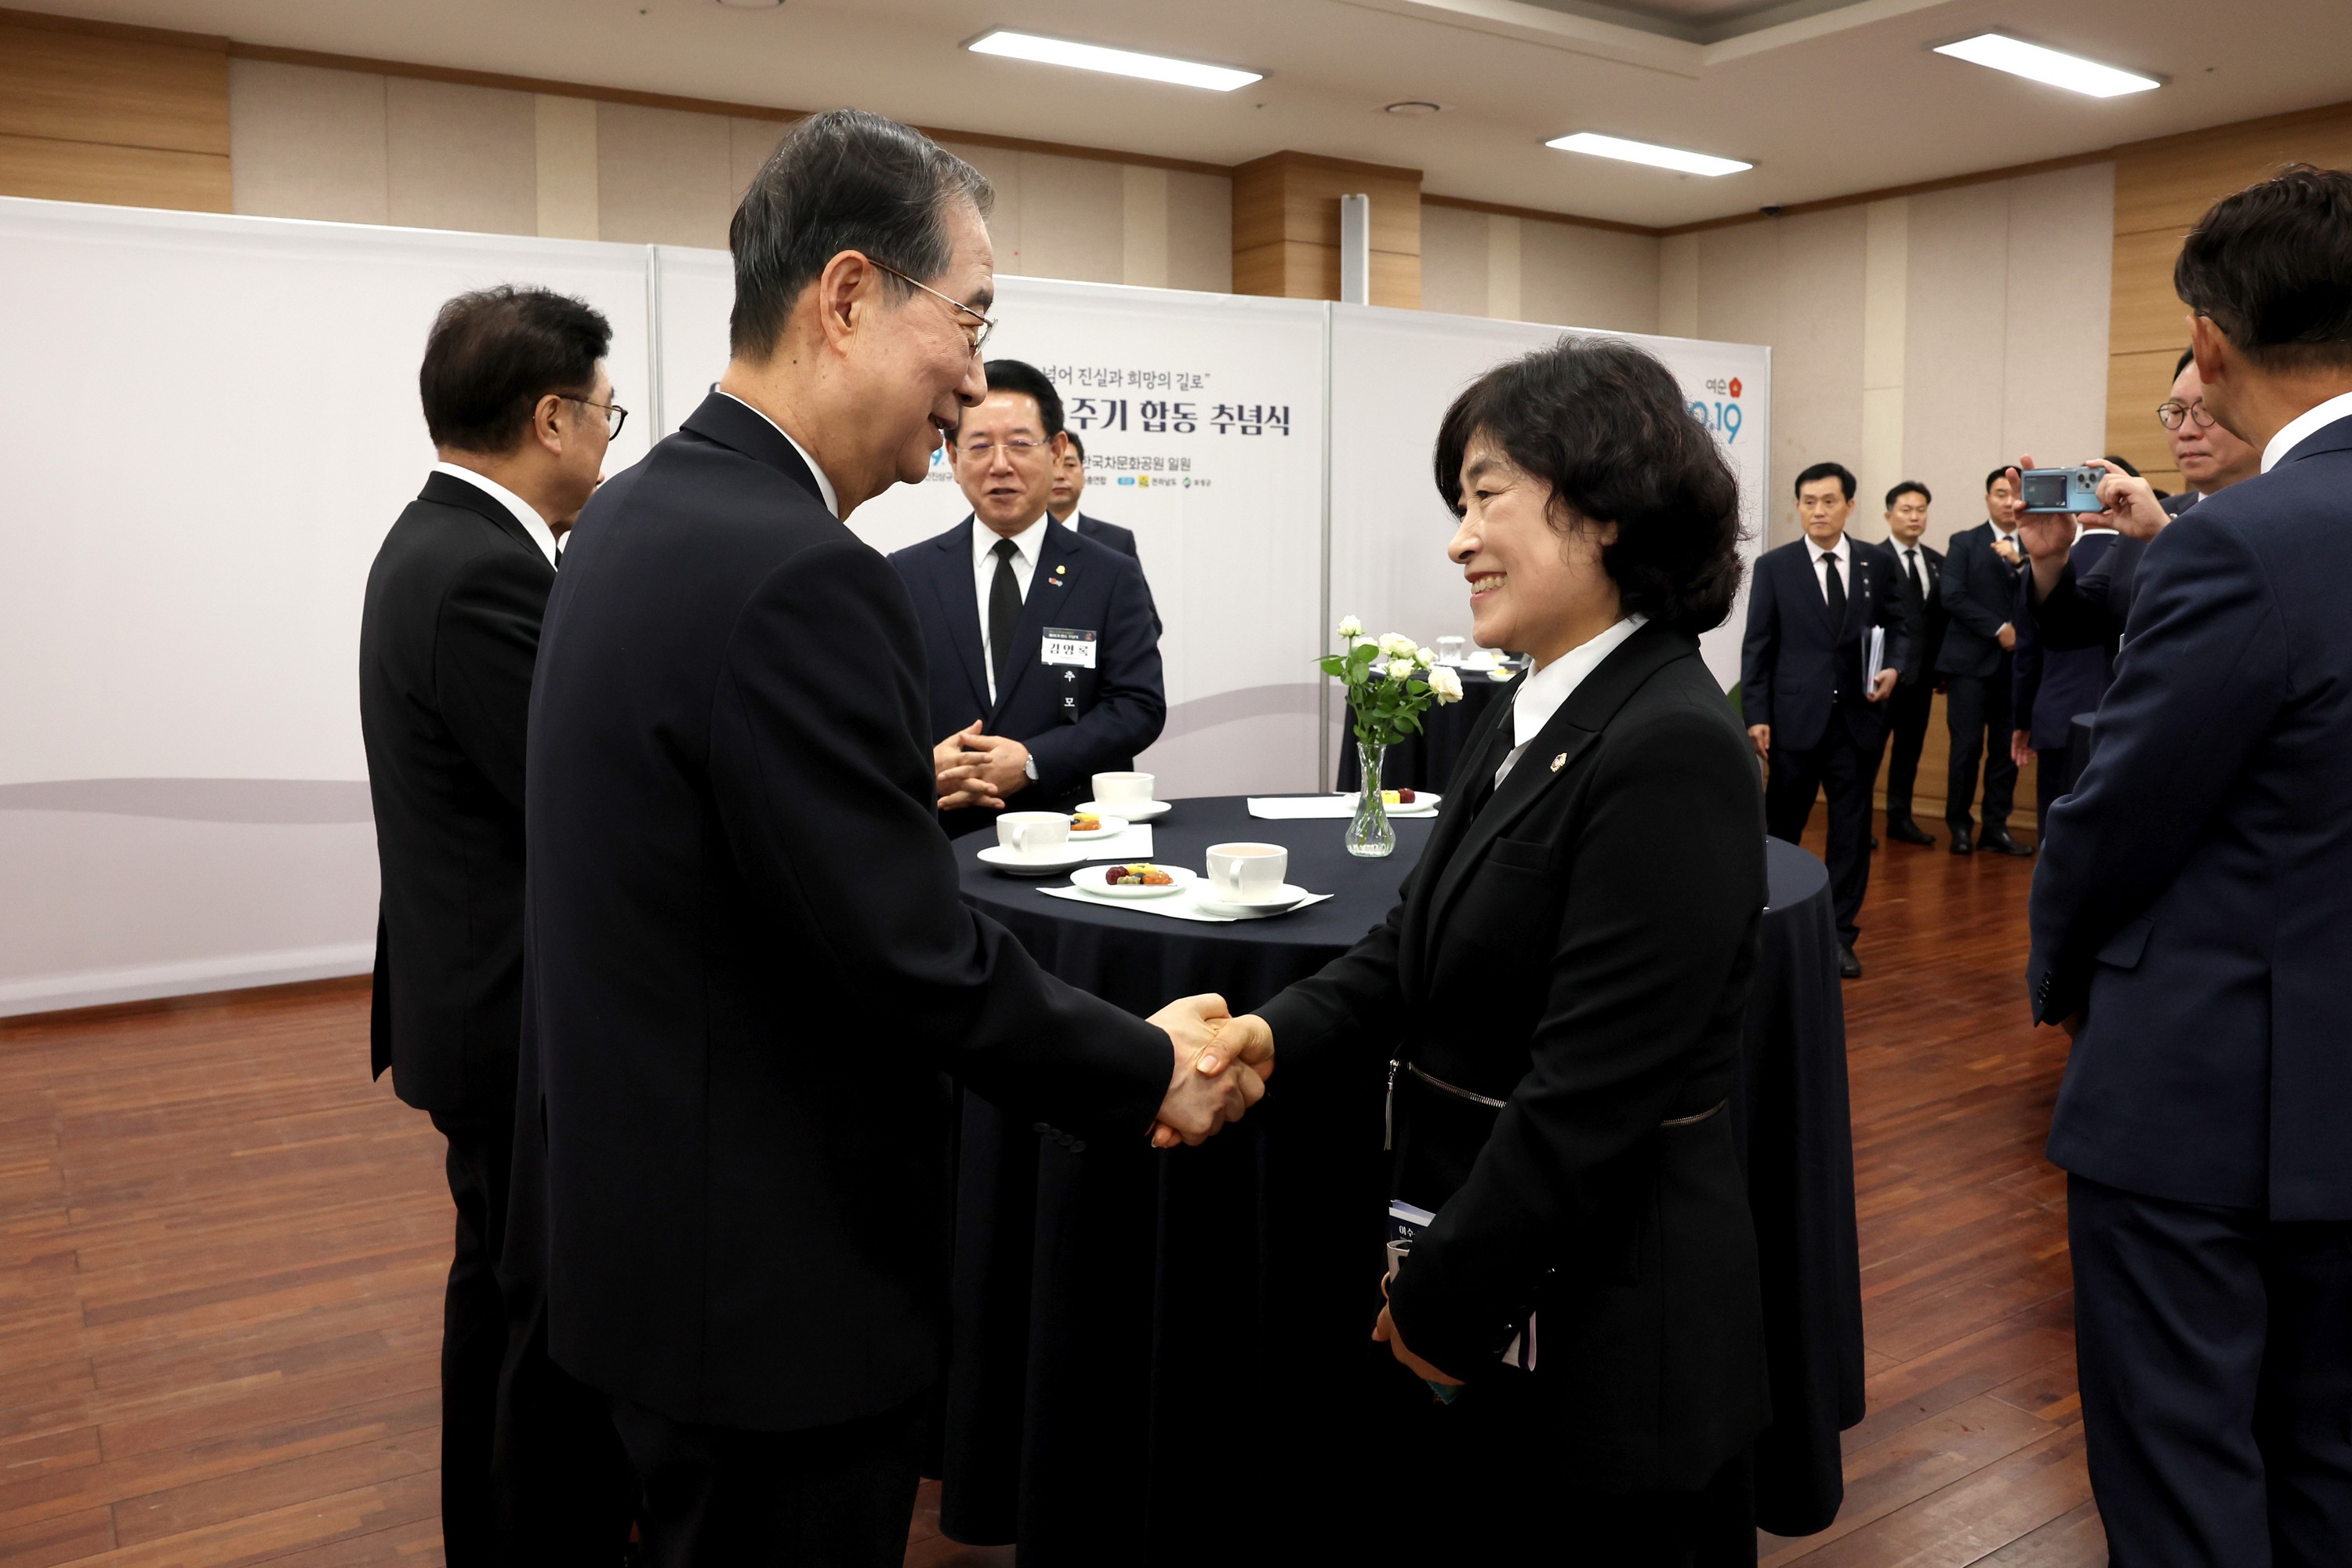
(1559,998)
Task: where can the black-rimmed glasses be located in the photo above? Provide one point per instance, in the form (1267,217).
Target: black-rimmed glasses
(2171,413)
(614,415)
(974,336)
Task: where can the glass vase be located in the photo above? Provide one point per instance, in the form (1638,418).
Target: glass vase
(1370,836)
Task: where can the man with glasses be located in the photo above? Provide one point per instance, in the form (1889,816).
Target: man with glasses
(520,410)
(1043,644)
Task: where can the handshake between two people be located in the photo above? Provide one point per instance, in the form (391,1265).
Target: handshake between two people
(1220,1069)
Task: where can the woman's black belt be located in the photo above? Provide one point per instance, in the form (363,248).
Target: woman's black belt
(1491,1103)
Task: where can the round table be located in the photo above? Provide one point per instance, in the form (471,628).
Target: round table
(1118,1314)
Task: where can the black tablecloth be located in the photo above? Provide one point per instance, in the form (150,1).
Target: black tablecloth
(1126,1321)
(1426,761)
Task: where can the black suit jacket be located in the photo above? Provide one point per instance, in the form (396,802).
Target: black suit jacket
(1980,595)
(1581,948)
(1076,722)
(2091,608)
(2050,685)
(448,632)
(2194,894)
(1927,617)
(747,960)
(1796,672)
(1120,538)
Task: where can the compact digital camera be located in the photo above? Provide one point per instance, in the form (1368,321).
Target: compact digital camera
(2061,489)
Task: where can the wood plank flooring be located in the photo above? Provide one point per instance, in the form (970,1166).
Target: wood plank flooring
(222,1249)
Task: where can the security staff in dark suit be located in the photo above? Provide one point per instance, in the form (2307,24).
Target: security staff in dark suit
(2190,919)
(1980,595)
(521,409)
(1917,571)
(1069,484)
(746,962)
(1557,999)
(1816,716)
(2049,686)
(1042,650)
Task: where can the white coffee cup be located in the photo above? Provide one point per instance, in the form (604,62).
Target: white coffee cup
(1033,835)
(1247,873)
(1123,789)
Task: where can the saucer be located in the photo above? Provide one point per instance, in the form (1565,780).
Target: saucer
(1425,803)
(1285,897)
(1144,812)
(1111,825)
(1090,880)
(1005,861)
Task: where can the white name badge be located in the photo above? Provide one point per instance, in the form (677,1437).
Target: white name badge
(1066,646)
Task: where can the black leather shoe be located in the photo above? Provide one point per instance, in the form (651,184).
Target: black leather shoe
(1998,840)
(1849,966)
(1960,845)
(1903,830)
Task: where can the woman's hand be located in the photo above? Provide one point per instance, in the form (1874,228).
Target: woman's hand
(1385,1332)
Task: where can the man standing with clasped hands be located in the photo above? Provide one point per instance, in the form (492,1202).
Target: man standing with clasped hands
(747,964)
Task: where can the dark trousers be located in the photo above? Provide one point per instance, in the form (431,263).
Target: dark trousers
(1847,771)
(473,1337)
(2216,1357)
(1976,706)
(2048,783)
(830,1497)
(1908,711)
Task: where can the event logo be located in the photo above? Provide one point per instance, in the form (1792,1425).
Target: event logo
(1723,418)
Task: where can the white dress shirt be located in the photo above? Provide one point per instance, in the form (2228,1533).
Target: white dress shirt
(524,513)
(1026,545)
(824,485)
(2304,426)
(1845,554)
(1556,682)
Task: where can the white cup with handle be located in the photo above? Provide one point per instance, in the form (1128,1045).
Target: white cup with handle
(1247,873)
(1033,835)
(1114,790)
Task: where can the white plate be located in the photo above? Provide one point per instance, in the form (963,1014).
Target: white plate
(1425,803)
(1110,825)
(1090,880)
(1003,859)
(1285,897)
(1144,812)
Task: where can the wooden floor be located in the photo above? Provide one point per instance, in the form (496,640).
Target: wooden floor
(221,1254)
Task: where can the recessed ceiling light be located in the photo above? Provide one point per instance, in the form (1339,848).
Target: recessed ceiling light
(1647,153)
(751,5)
(1414,106)
(2072,72)
(1119,62)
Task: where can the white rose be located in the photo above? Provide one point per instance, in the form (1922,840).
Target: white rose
(1351,627)
(1396,645)
(1423,657)
(1400,669)
(1445,685)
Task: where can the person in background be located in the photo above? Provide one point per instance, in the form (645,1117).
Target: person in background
(2191,918)
(1917,571)
(1979,591)
(1043,652)
(1816,717)
(2051,686)
(521,409)
(1069,484)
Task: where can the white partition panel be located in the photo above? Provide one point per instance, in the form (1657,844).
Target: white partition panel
(1203,418)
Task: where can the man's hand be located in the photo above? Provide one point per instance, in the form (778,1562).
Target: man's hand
(1001,764)
(1882,685)
(2021,746)
(1761,737)
(1384,1332)
(2007,550)
(2007,637)
(956,771)
(2130,503)
(1209,1084)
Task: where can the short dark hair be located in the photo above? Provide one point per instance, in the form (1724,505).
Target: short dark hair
(843,180)
(2188,357)
(1821,472)
(1076,444)
(1606,425)
(1997,475)
(2271,268)
(1016,375)
(1908,487)
(492,354)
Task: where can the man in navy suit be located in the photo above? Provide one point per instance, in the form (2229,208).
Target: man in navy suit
(1069,484)
(1979,591)
(2049,686)
(2191,918)
(1917,571)
(1815,715)
(1043,646)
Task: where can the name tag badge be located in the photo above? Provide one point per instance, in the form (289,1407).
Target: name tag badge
(1065,646)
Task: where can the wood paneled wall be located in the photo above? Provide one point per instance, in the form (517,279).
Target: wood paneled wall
(2162,188)
(119,115)
(1287,228)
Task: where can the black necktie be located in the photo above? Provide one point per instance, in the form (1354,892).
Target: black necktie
(1837,592)
(1004,615)
(1918,587)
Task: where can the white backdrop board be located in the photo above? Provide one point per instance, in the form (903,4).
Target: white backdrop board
(1393,372)
(1202,419)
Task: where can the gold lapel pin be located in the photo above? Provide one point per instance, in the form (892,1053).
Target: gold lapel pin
(1559,762)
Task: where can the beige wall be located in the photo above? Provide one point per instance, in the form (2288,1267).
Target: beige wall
(1524,269)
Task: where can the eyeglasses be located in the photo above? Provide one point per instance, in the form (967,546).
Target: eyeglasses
(614,415)
(2171,413)
(975,336)
(1017,450)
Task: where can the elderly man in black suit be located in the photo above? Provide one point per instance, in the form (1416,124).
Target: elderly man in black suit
(520,409)
(746,963)
(1980,591)
(1917,571)
(1816,712)
(1043,651)
(2191,918)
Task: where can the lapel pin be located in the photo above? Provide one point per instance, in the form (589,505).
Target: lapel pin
(1559,762)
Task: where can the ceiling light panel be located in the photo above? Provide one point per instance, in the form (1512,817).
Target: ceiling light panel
(1118,62)
(1657,157)
(2072,72)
